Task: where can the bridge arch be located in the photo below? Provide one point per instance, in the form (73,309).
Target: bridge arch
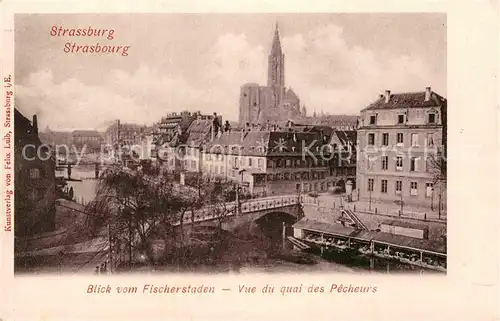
(271,224)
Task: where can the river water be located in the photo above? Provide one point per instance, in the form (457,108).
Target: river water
(84,192)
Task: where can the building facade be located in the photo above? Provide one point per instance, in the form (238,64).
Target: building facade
(401,140)
(343,163)
(35,182)
(267,163)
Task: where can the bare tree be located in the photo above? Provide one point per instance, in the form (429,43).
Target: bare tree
(136,205)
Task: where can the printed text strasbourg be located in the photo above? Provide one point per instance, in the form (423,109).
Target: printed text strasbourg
(93,48)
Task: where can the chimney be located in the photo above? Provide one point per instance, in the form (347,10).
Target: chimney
(427,93)
(387,96)
(35,124)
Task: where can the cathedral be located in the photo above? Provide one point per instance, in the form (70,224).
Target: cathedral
(273,103)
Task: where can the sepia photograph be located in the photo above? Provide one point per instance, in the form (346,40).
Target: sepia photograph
(230,143)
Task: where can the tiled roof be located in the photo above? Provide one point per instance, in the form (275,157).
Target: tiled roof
(244,143)
(294,142)
(405,224)
(316,226)
(407,100)
(346,136)
(86,133)
(434,245)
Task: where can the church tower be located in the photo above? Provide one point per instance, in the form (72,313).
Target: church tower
(276,69)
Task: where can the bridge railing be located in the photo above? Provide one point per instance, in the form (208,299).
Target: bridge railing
(210,212)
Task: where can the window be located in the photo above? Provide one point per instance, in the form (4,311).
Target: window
(221,169)
(371,139)
(249,161)
(385,161)
(370,184)
(413,164)
(193,164)
(34,173)
(399,163)
(400,138)
(373,120)
(399,187)
(429,188)
(430,139)
(236,163)
(413,188)
(260,162)
(414,139)
(242,162)
(288,163)
(401,119)
(431,118)
(385,139)
(383,186)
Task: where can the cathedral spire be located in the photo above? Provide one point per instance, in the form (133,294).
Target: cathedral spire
(276,47)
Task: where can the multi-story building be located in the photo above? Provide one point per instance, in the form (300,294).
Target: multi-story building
(401,138)
(269,162)
(35,182)
(179,150)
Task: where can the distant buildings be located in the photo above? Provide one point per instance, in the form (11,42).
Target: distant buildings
(274,102)
(91,140)
(35,186)
(401,140)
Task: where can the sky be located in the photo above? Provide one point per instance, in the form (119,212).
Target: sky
(336,63)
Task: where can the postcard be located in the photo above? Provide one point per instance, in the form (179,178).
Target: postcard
(225,161)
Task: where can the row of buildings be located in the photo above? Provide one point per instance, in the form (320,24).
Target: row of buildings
(396,153)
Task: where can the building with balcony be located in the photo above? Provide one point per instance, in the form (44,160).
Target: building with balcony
(401,140)
(269,163)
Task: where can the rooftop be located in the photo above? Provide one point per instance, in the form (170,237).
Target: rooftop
(407,100)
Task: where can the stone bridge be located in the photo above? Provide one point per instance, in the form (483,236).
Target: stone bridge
(286,208)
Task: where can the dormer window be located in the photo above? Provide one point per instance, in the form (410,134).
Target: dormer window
(401,119)
(431,118)
(373,120)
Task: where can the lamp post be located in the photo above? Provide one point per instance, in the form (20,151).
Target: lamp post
(402,202)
